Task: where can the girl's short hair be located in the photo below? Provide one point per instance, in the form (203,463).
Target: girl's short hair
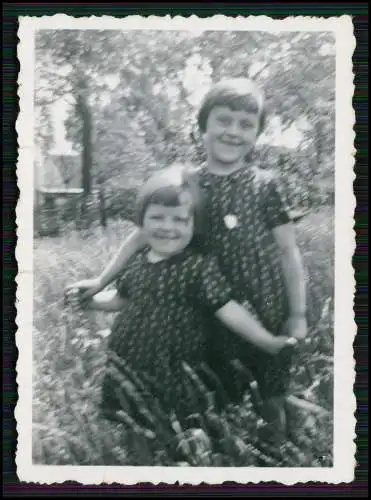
(166,187)
(237,94)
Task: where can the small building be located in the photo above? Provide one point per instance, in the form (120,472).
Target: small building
(57,181)
(59,170)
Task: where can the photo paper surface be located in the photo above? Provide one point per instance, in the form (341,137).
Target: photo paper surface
(105,103)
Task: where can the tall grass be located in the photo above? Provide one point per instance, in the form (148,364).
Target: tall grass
(70,359)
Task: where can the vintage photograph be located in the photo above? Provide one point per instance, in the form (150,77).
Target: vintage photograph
(183,247)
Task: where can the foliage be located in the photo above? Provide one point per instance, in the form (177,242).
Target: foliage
(144,88)
(69,363)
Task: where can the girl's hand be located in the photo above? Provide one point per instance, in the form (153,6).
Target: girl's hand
(88,288)
(280,343)
(72,297)
(296,326)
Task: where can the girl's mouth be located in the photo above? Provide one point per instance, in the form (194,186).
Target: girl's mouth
(164,237)
(231,143)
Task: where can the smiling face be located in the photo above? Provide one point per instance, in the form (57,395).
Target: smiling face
(169,229)
(230,135)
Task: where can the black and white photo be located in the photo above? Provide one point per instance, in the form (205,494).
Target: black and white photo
(185,242)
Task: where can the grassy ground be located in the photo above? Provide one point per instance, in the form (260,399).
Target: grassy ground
(69,359)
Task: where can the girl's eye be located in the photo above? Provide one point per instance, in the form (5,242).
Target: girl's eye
(245,124)
(183,220)
(224,120)
(156,217)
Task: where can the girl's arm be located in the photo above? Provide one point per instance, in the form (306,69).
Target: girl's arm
(280,222)
(109,301)
(295,279)
(130,246)
(239,320)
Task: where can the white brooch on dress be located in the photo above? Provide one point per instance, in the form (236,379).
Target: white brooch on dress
(230,221)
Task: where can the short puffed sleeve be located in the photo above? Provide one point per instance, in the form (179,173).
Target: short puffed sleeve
(209,287)
(274,203)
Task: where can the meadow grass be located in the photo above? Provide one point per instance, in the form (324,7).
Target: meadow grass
(69,354)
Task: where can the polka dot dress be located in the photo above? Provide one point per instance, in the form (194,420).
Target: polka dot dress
(163,323)
(241,211)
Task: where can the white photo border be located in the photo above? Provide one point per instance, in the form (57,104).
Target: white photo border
(345,203)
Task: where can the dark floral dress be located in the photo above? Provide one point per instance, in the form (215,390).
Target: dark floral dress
(163,324)
(241,210)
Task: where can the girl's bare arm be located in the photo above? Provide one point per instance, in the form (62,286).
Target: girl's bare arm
(108,301)
(92,286)
(240,321)
(294,274)
(130,246)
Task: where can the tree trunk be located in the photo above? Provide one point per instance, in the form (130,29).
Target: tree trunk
(102,207)
(87,156)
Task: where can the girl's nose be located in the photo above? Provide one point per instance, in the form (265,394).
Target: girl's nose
(233,129)
(167,224)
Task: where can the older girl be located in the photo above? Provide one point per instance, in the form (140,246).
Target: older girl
(250,232)
(167,293)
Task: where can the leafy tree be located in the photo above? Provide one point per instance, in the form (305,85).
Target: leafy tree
(142,90)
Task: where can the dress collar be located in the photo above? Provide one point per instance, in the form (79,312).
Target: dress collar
(179,257)
(208,179)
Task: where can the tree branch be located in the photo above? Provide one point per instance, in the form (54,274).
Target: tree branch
(47,102)
(49,72)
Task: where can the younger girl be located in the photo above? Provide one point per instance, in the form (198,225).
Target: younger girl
(166,294)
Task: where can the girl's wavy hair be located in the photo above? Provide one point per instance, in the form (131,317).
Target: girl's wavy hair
(237,94)
(166,187)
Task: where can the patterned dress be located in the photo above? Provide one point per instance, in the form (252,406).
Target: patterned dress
(242,209)
(163,324)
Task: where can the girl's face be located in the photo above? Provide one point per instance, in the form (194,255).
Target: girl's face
(230,135)
(169,230)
